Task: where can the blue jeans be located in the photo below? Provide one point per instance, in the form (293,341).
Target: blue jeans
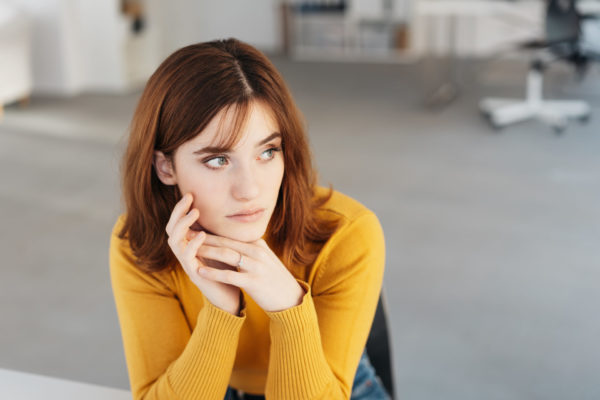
(367,385)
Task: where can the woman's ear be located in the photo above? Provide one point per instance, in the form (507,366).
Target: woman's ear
(164,168)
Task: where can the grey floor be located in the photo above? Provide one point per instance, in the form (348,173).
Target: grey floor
(493,273)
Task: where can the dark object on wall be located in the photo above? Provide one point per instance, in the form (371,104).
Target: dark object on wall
(134,10)
(138,25)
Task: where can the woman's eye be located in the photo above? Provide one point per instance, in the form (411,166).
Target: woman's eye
(269,153)
(216,162)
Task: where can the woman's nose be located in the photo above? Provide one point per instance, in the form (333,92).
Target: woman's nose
(245,184)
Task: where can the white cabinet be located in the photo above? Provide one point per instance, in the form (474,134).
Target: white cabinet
(15,55)
(87,45)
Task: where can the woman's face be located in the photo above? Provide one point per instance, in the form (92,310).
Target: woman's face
(235,191)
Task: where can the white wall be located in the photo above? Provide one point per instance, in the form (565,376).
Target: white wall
(100,34)
(81,45)
(56,66)
(189,21)
(84,45)
(77,45)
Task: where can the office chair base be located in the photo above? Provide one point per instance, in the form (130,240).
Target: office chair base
(556,113)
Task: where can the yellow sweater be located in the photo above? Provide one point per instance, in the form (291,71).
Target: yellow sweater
(180,346)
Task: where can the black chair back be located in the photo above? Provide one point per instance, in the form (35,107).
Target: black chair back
(563,25)
(378,347)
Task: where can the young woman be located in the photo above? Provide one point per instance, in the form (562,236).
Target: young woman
(233,273)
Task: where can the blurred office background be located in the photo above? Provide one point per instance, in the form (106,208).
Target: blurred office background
(493,272)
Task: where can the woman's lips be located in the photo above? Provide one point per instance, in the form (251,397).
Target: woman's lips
(251,216)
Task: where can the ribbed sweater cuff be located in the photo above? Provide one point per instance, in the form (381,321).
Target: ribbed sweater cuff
(291,314)
(297,366)
(205,365)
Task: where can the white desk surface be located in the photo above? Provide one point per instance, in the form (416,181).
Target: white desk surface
(490,7)
(463,7)
(15,385)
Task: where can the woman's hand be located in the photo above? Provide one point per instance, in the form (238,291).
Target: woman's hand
(185,244)
(261,274)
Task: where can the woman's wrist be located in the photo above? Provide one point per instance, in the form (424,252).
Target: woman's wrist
(299,295)
(229,306)
(237,308)
(296,297)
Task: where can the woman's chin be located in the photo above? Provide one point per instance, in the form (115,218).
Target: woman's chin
(245,237)
(248,234)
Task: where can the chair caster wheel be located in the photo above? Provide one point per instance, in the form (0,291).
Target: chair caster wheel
(584,119)
(559,129)
(488,117)
(497,128)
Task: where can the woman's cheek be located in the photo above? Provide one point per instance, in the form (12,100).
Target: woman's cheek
(208,219)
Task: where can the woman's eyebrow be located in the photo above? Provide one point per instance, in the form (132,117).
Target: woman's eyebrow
(269,138)
(211,150)
(222,150)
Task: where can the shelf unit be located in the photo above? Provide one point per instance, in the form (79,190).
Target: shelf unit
(343,30)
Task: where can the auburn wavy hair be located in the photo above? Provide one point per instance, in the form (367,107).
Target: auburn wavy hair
(183,95)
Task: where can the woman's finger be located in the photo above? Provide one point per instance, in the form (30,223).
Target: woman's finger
(261,243)
(228,256)
(189,254)
(192,234)
(267,250)
(223,275)
(179,210)
(250,249)
(192,263)
(182,227)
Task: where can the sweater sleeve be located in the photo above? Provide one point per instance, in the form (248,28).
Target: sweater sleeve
(166,358)
(316,346)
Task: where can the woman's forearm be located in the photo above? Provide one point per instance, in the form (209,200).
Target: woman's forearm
(204,367)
